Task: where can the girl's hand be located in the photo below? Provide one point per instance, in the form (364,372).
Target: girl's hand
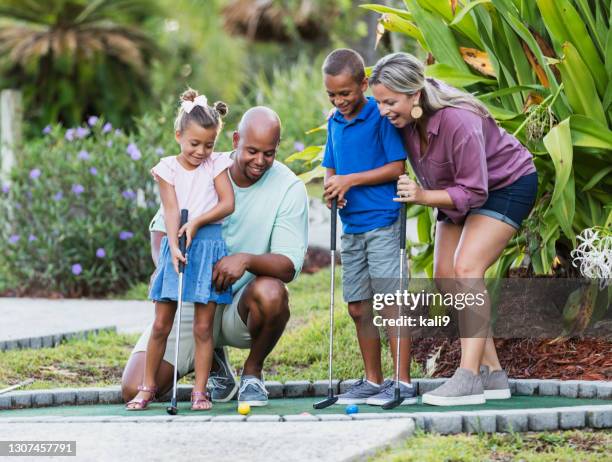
(176,257)
(190,230)
(409,191)
(337,186)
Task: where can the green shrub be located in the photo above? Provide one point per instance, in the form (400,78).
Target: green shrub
(75,213)
(298,96)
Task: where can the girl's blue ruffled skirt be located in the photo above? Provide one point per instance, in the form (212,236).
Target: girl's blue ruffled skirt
(207,247)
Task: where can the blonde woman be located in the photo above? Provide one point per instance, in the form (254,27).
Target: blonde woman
(482,182)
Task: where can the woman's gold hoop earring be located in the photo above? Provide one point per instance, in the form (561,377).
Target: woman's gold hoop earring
(416,112)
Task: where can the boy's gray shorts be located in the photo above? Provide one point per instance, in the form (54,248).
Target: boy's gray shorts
(371,263)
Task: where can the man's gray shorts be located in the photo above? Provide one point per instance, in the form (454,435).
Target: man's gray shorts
(371,263)
(229,329)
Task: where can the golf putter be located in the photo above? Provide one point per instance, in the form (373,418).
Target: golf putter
(173,409)
(331,399)
(397,400)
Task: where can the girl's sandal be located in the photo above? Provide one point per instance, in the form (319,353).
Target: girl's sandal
(142,404)
(201,401)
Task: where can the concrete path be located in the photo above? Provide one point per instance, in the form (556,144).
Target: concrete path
(219,442)
(33,317)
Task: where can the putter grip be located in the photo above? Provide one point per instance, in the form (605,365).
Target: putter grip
(402,219)
(334,218)
(183,238)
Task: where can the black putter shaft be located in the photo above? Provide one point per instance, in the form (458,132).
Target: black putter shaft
(397,400)
(173,409)
(331,399)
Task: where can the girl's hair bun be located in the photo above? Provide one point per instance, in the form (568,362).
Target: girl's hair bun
(189,95)
(221,107)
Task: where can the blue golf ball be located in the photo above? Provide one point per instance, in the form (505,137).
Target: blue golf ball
(352,409)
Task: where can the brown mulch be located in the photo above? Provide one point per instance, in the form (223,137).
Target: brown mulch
(569,359)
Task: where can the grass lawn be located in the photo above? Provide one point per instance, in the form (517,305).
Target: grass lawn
(583,446)
(301,353)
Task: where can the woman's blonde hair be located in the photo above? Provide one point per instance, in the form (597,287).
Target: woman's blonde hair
(205,116)
(404,73)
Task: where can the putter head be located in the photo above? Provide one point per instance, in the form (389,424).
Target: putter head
(172,409)
(325,403)
(396,401)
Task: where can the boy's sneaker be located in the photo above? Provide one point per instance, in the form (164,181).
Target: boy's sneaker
(359,392)
(462,388)
(387,393)
(495,384)
(222,383)
(252,391)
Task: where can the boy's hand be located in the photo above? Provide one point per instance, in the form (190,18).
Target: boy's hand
(190,230)
(408,191)
(341,203)
(337,186)
(176,257)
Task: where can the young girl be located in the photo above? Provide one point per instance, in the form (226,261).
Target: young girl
(196,180)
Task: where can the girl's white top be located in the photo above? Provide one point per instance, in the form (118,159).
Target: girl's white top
(195,189)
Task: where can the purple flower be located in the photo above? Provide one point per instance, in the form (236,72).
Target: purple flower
(160,151)
(125,235)
(109,143)
(5,188)
(83,155)
(69,134)
(129,194)
(58,196)
(77,189)
(133,151)
(77,269)
(14,239)
(81,132)
(34,173)
(32,238)
(101,253)
(93,171)
(107,127)
(92,121)
(47,130)
(298,146)
(118,132)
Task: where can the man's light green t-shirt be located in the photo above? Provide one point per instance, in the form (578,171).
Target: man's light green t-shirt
(270,216)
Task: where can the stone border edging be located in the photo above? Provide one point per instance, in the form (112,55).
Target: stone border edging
(51,340)
(596,416)
(444,423)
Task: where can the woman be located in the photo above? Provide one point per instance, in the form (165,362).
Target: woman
(483,183)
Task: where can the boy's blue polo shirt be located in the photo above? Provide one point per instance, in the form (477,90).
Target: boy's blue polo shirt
(364,143)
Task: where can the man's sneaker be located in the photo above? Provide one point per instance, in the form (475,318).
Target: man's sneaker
(387,393)
(495,384)
(252,391)
(222,383)
(464,387)
(358,393)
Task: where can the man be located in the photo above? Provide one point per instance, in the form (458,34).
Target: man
(267,239)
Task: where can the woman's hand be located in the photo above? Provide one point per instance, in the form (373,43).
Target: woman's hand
(409,191)
(337,186)
(177,256)
(190,229)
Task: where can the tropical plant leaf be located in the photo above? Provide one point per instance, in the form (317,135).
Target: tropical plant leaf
(382,9)
(317,172)
(307,155)
(394,23)
(588,133)
(478,60)
(455,77)
(565,25)
(597,178)
(579,86)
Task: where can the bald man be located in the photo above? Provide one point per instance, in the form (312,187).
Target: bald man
(267,238)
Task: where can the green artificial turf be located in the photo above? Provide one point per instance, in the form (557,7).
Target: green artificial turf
(299,405)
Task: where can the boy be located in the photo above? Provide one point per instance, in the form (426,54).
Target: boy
(364,157)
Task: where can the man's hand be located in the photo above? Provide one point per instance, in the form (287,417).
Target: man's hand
(337,186)
(409,191)
(228,270)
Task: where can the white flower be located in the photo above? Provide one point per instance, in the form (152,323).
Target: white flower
(593,256)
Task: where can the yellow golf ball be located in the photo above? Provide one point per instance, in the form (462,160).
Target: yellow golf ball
(244,408)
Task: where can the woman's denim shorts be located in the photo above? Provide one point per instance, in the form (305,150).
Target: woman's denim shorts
(511,204)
